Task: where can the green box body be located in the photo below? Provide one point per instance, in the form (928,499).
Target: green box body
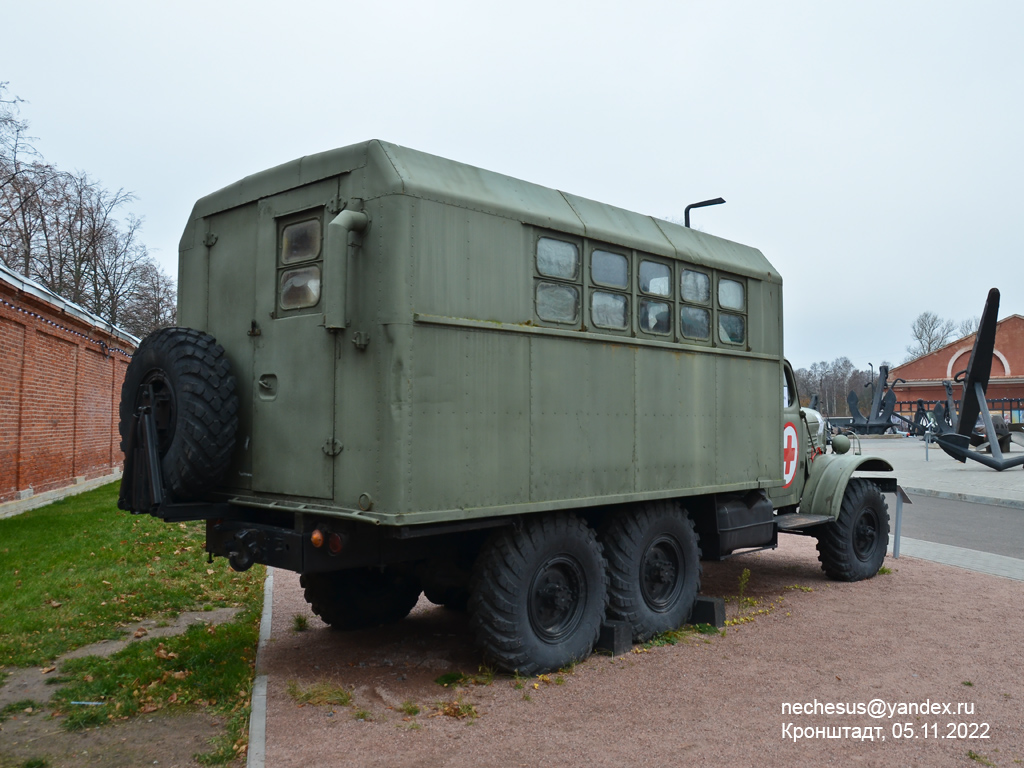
(425,384)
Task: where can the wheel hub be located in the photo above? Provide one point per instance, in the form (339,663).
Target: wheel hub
(865,534)
(660,573)
(556,603)
(156,391)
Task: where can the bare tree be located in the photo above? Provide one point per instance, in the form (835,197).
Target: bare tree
(929,332)
(968,327)
(153,304)
(65,231)
(831,381)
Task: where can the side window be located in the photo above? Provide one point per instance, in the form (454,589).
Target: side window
(609,309)
(655,315)
(732,305)
(558,297)
(299,262)
(788,388)
(695,312)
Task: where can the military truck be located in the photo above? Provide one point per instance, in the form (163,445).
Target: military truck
(398,374)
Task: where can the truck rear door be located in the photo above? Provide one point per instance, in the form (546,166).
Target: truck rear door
(294,354)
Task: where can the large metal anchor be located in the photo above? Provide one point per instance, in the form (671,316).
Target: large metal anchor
(958,439)
(883,416)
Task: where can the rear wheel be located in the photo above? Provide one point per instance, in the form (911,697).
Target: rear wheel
(853,547)
(653,566)
(361,597)
(538,594)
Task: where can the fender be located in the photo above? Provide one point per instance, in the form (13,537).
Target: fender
(829,475)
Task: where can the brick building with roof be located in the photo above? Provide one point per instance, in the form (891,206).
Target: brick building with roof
(61,369)
(1005,392)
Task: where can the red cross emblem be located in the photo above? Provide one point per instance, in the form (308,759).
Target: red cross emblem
(790,447)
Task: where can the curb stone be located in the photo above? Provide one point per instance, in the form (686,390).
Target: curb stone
(257,753)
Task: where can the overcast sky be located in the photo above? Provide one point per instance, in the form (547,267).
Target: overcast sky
(871,150)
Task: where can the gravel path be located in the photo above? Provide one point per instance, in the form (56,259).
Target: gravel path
(923,633)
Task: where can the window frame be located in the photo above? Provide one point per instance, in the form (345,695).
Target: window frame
(594,286)
(743,313)
(577,282)
(671,299)
(707,306)
(281,267)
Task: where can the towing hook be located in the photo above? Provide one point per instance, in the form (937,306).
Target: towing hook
(243,551)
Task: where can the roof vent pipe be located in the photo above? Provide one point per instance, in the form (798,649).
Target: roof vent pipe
(702,204)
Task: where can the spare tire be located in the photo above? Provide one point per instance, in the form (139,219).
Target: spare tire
(195,407)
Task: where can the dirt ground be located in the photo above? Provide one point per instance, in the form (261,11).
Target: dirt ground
(165,739)
(161,739)
(923,634)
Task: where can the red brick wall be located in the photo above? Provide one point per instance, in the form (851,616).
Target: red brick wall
(1009,343)
(925,375)
(60,384)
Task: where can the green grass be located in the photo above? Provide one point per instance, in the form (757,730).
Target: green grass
(484,676)
(681,635)
(206,666)
(410,708)
(319,694)
(457,708)
(19,707)
(80,570)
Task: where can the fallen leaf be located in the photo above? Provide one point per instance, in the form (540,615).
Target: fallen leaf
(141,632)
(179,675)
(209,571)
(150,708)
(47,670)
(172,698)
(55,604)
(160,653)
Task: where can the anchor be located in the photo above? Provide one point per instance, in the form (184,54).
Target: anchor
(883,410)
(958,437)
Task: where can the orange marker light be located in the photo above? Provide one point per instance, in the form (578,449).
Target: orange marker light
(317,538)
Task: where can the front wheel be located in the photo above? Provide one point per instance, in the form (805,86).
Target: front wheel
(853,547)
(538,594)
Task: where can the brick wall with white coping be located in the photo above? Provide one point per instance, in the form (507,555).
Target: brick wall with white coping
(61,370)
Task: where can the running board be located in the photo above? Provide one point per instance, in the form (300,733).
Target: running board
(794,521)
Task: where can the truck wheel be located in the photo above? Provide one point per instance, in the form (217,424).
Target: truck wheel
(538,594)
(361,597)
(195,406)
(853,547)
(653,567)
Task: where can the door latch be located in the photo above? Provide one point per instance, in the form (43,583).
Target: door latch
(361,340)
